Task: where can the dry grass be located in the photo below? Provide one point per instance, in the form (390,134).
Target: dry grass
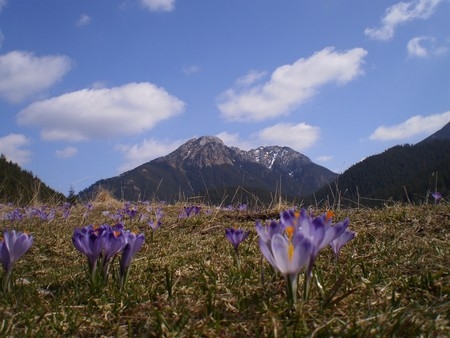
(392,280)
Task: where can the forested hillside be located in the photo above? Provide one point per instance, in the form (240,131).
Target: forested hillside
(404,173)
(21,187)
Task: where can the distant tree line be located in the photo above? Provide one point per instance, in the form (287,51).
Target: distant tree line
(404,173)
(21,187)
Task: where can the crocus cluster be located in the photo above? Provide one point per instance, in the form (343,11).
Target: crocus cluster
(188,211)
(294,242)
(101,244)
(130,210)
(240,207)
(13,246)
(157,221)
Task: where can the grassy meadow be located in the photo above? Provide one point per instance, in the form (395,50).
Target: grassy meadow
(392,279)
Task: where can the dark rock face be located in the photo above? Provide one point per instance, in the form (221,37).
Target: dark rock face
(205,151)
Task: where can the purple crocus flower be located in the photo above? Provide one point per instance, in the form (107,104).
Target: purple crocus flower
(14,215)
(154,225)
(319,230)
(114,242)
(89,240)
(298,228)
(437,197)
(340,241)
(12,247)
(242,207)
(194,210)
(288,252)
(133,243)
(66,209)
(236,236)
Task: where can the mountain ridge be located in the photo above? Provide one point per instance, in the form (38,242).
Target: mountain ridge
(403,173)
(206,166)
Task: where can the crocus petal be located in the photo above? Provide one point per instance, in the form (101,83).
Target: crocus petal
(334,231)
(262,232)
(236,236)
(341,240)
(114,242)
(13,246)
(267,253)
(16,244)
(126,258)
(5,257)
(22,245)
(288,218)
(137,245)
(79,241)
(133,245)
(290,259)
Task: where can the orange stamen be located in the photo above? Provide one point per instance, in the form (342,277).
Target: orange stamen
(290,251)
(330,214)
(290,232)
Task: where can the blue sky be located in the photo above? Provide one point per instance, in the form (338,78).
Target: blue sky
(89,89)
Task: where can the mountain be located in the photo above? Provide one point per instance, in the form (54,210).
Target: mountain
(206,167)
(21,187)
(404,173)
(441,134)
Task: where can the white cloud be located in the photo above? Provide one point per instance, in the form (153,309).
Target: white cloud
(23,74)
(416,49)
(66,152)
(2,4)
(413,126)
(192,69)
(83,20)
(324,158)
(146,151)
(99,85)
(296,136)
(400,13)
(423,47)
(101,113)
(291,85)
(159,5)
(233,140)
(12,147)
(251,77)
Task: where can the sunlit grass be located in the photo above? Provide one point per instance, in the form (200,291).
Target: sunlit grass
(391,280)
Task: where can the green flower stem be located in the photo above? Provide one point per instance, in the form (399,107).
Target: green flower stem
(7,282)
(237,261)
(307,285)
(292,286)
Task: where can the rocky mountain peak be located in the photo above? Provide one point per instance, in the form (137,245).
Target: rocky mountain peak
(207,151)
(204,140)
(204,151)
(276,156)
